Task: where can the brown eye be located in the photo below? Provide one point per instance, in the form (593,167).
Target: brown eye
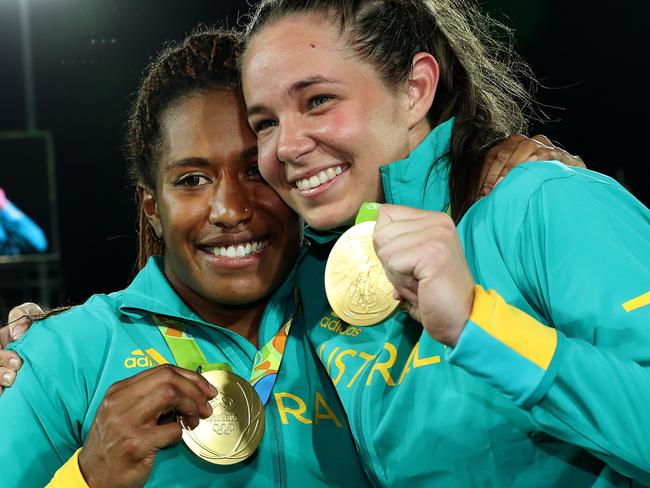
(253,171)
(193,180)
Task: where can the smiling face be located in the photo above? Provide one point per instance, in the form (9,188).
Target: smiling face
(229,239)
(325,121)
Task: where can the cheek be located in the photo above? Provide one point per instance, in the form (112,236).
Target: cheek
(273,208)
(345,126)
(352,130)
(268,164)
(391,134)
(180,217)
(291,240)
(293,225)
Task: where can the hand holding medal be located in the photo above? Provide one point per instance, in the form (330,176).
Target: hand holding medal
(129,427)
(235,427)
(421,253)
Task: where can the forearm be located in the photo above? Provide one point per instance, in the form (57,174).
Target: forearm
(34,442)
(578,392)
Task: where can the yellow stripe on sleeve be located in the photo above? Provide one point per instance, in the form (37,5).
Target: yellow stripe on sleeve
(69,475)
(638,302)
(514,328)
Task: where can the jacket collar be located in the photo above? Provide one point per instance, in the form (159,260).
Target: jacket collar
(421,180)
(151,293)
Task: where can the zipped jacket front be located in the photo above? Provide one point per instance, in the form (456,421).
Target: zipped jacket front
(71,359)
(549,383)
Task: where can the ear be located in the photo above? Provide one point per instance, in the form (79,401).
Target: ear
(150,208)
(422,86)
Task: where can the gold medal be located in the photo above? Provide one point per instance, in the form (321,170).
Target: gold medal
(236,426)
(355,282)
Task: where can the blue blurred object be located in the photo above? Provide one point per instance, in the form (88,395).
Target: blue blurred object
(18,233)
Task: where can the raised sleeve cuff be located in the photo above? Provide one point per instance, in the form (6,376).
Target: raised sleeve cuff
(69,475)
(507,348)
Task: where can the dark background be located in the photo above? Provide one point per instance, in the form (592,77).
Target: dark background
(89,55)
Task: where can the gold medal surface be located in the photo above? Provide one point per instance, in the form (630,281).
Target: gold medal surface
(236,426)
(355,282)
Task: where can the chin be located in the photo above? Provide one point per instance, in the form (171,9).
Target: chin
(325,226)
(241,298)
(321,219)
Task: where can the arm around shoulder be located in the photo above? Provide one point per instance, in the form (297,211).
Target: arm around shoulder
(48,402)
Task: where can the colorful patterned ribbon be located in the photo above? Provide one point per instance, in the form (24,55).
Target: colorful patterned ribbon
(189,355)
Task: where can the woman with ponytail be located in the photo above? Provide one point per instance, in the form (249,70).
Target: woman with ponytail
(520,355)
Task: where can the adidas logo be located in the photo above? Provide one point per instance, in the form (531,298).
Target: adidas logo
(146,359)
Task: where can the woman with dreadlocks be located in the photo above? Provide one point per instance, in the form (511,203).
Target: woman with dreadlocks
(543,380)
(217,301)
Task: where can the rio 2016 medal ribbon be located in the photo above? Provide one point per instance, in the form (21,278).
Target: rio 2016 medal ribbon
(236,426)
(355,282)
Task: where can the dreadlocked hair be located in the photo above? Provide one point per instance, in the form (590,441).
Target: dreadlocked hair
(205,60)
(479,73)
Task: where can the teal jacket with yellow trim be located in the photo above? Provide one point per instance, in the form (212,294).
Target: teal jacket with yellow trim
(71,359)
(549,384)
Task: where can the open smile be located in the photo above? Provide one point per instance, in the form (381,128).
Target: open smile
(236,255)
(318,183)
(239,250)
(319,179)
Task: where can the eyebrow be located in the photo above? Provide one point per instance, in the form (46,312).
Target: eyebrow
(294,88)
(192,161)
(247,153)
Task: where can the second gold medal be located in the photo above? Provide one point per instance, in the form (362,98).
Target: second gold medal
(355,282)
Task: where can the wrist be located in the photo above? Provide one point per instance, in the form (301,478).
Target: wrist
(452,336)
(455,332)
(84,465)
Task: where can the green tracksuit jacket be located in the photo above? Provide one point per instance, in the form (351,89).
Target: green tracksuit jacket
(71,359)
(549,384)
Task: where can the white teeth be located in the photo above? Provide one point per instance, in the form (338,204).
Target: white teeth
(240,250)
(317,180)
